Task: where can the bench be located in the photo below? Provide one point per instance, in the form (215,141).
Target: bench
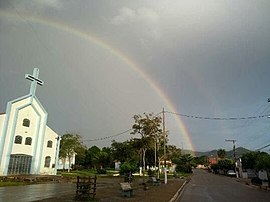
(86,188)
(154,181)
(127,191)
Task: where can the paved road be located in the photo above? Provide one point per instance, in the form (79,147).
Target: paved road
(206,186)
(35,192)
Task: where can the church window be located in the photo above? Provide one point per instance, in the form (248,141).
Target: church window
(18,139)
(28,141)
(26,122)
(49,144)
(47,161)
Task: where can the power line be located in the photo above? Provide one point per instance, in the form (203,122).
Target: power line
(256,138)
(262,147)
(118,134)
(219,118)
(184,115)
(258,111)
(108,137)
(257,135)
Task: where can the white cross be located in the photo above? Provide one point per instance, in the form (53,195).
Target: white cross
(34,81)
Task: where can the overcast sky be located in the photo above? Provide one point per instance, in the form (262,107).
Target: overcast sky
(104,61)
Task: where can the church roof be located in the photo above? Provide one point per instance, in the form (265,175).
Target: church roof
(25,97)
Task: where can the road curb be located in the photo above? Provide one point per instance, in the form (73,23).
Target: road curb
(249,184)
(177,194)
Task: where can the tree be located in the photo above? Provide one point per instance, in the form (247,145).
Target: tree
(173,153)
(103,159)
(109,161)
(202,160)
(80,156)
(225,164)
(257,161)
(263,163)
(148,127)
(249,160)
(70,145)
(124,151)
(150,157)
(92,157)
(221,153)
(184,163)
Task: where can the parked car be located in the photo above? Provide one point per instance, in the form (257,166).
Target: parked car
(231,173)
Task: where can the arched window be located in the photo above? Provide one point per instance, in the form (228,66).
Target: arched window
(26,122)
(47,162)
(49,144)
(28,141)
(18,139)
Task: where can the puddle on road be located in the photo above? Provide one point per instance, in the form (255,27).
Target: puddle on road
(35,192)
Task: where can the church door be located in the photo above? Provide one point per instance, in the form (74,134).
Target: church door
(19,164)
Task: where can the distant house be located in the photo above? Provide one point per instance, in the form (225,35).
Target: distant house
(200,166)
(64,163)
(117,165)
(212,160)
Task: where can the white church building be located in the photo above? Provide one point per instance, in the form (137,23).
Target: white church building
(27,144)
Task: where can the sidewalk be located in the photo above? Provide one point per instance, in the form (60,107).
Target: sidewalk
(108,189)
(247,182)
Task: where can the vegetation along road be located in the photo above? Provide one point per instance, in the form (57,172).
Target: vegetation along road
(206,186)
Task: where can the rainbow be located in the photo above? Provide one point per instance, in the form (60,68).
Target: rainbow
(114,51)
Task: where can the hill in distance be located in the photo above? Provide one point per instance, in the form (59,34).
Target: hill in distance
(229,154)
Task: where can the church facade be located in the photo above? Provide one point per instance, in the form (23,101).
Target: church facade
(27,144)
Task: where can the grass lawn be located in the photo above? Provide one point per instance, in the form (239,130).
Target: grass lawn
(90,172)
(111,173)
(4,184)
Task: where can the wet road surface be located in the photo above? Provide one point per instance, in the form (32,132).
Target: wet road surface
(35,192)
(206,186)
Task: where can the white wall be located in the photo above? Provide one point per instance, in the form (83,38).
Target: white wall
(26,113)
(64,164)
(47,151)
(29,108)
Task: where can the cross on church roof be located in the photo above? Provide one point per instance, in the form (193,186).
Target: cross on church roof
(34,81)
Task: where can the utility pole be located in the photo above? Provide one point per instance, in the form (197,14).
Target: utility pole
(164,133)
(234,154)
(157,149)
(164,136)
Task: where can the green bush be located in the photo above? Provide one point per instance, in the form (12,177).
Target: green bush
(101,171)
(184,168)
(151,173)
(127,167)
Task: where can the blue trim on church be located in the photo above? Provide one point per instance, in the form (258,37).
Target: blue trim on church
(36,141)
(39,137)
(5,125)
(39,132)
(4,132)
(42,133)
(12,135)
(57,155)
(42,140)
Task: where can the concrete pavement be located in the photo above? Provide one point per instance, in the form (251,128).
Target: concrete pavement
(206,186)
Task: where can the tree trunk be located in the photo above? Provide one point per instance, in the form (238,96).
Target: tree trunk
(64,162)
(69,163)
(144,151)
(158,168)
